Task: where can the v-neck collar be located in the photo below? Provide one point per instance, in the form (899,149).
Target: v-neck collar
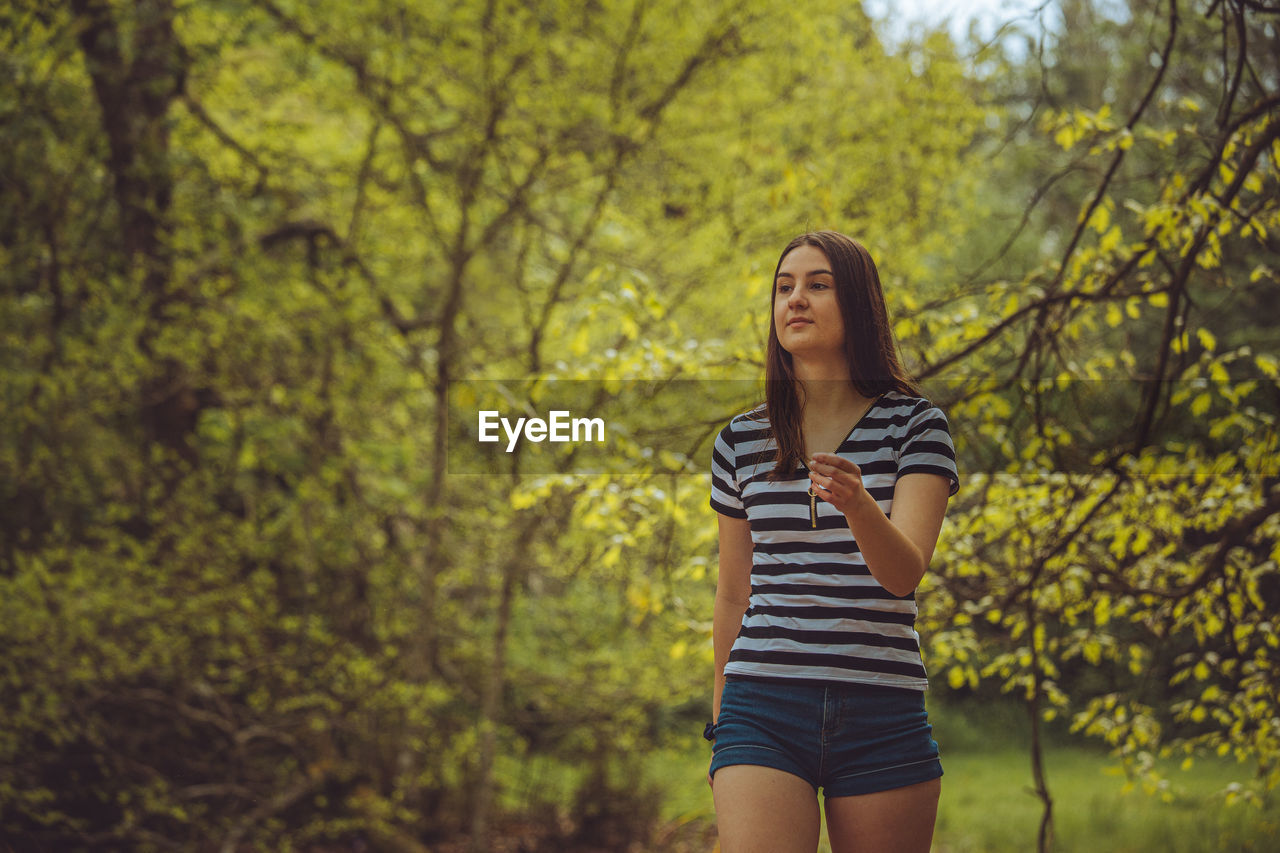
(875,401)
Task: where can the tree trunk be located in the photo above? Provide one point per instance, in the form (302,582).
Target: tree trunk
(491,701)
(1044,839)
(134,94)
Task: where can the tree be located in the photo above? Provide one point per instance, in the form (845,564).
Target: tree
(1126,519)
(255,246)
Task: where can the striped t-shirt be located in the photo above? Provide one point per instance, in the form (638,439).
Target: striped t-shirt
(815,610)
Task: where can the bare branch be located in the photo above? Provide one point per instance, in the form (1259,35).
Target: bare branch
(201,115)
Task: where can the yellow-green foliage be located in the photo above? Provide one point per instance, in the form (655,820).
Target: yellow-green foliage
(245,602)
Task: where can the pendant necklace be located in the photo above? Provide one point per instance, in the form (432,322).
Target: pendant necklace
(813,495)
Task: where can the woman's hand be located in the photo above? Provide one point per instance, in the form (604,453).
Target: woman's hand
(837,481)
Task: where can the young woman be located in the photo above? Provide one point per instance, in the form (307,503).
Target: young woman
(830,499)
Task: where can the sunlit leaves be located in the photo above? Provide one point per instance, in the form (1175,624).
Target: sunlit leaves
(371,199)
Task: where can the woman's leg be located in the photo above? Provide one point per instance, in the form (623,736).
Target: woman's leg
(899,820)
(763,810)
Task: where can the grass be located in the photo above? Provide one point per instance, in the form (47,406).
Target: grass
(987,805)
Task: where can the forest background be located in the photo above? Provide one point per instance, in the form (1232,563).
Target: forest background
(252,596)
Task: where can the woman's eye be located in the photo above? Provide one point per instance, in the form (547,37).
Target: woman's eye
(784,288)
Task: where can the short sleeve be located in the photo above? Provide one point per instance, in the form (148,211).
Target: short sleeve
(726,497)
(927,447)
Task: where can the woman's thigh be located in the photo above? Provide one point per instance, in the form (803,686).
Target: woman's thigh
(764,810)
(899,820)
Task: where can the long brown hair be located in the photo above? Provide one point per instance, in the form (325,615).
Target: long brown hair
(869,346)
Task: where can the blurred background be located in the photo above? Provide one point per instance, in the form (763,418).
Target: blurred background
(249,248)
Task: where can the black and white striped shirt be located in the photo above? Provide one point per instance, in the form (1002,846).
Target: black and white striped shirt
(815,611)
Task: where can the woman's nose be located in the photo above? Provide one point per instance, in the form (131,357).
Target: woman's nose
(797,297)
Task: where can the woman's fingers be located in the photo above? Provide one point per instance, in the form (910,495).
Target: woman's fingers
(827,469)
(829,463)
(822,481)
(836,479)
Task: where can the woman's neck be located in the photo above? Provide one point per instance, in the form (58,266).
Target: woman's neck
(827,388)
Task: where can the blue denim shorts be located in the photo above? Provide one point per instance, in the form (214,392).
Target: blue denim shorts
(847,739)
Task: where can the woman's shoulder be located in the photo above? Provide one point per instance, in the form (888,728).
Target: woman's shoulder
(751,425)
(907,403)
(754,418)
(905,415)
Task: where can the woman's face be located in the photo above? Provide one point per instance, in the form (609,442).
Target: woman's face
(806,312)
